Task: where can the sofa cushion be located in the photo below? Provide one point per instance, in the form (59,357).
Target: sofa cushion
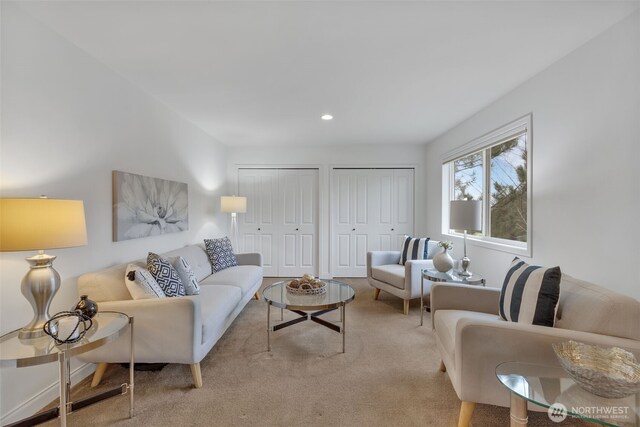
(392,274)
(587,307)
(220,254)
(414,248)
(186,274)
(141,284)
(530,294)
(216,304)
(166,276)
(242,276)
(446,322)
(196,257)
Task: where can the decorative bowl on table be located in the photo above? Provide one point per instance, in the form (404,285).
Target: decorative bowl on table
(609,372)
(307,285)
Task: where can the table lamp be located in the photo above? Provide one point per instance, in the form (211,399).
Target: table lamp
(233,205)
(39,224)
(465,215)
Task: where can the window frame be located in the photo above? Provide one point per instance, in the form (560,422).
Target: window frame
(481,144)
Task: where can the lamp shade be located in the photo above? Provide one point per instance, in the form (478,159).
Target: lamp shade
(233,204)
(465,215)
(38,224)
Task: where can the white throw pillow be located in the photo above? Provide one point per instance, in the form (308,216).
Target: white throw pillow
(187,276)
(141,284)
(433,249)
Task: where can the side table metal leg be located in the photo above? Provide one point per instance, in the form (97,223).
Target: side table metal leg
(269,326)
(421,300)
(344,323)
(131,369)
(62,361)
(518,412)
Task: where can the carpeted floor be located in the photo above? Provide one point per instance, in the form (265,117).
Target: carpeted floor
(388,377)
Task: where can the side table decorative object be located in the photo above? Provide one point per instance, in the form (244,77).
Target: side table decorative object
(442,261)
(451,276)
(20,353)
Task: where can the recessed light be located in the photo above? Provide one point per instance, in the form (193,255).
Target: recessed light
(327,117)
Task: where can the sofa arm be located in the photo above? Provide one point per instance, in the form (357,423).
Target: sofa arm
(413,275)
(448,296)
(481,345)
(249,258)
(167,330)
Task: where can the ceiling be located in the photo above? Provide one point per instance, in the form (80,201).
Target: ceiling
(262,73)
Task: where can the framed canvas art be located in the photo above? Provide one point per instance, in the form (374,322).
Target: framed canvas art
(145,206)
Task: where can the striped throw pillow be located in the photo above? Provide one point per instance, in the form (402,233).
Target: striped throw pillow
(530,294)
(414,248)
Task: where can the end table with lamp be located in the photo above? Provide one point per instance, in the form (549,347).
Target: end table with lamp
(451,276)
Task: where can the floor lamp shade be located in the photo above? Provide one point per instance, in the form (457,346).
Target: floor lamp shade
(233,204)
(39,224)
(465,215)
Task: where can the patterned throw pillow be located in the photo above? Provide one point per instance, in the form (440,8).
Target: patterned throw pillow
(141,284)
(414,248)
(166,276)
(530,294)
(220,254)
(186,274)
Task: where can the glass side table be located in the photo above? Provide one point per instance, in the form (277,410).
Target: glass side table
(107,327)
(450,276)
(552,388)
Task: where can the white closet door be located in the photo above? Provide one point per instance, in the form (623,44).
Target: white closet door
(298,224)
(372,209)
(351,217)
(257,227)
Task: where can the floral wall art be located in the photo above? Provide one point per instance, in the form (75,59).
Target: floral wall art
(145,206)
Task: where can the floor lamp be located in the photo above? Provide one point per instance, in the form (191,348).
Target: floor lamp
(465,215)
(39,224)
(233,205)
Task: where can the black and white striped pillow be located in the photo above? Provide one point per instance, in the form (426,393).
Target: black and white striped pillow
(414,248)
(530,294)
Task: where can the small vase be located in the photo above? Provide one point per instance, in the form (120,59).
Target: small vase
(86,306)
(443,261)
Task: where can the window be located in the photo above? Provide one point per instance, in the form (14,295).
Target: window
(495,169)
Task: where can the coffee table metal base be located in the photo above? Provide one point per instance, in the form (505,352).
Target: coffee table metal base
(304,316)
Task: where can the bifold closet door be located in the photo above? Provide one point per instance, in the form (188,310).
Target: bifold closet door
(281,220)
(372,209)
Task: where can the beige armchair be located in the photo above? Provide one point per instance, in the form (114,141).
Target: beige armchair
(385,273)
(473,339)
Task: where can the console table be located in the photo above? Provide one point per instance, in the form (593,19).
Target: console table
(20,353)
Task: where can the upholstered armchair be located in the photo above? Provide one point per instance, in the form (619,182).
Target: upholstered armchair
(472,338)
(385,273)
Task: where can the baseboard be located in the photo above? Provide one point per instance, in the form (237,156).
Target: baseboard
(46,396)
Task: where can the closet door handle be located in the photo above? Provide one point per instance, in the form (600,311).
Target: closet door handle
(258,228)
(297,229)
(392,229)
(353,229)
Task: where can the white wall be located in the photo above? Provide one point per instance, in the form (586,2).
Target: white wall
(586,180)
(67,122)
(325,158)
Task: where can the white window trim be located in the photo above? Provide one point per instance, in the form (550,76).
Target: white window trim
(504,133)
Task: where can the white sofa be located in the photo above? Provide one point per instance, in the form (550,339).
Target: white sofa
(385,273)
(179,329)
(473,339)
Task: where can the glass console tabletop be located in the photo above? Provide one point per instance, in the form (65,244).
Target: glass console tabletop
(551,387)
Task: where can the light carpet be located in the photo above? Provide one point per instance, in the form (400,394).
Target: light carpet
(388,377)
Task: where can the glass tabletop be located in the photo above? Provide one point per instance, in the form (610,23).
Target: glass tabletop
(551,386)
(16,352)
(337,293)
(452,276)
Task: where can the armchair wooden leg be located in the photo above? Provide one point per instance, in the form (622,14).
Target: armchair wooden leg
(442,367)
(197,375)
(406,306)
(257,296)
(97,375)
(376,294)
(466,411)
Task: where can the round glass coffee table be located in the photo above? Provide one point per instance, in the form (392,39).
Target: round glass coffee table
(552,388)
(337,296)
